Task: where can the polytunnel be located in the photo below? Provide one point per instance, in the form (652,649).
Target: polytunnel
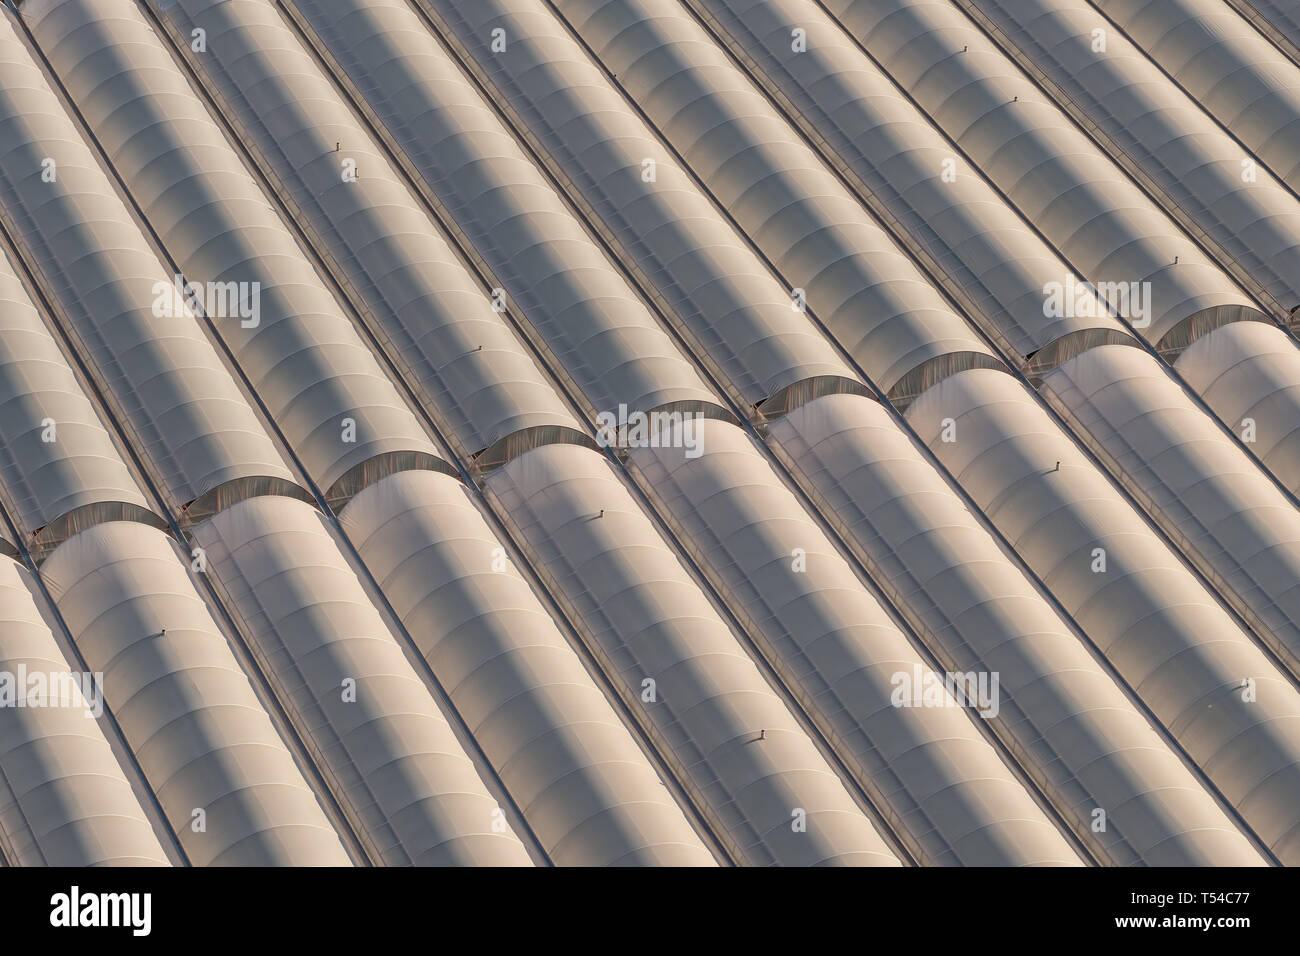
(1242,530)
(166,379)
(566,101)
(64,798)
(316,318)
(1275,15)
(866,291)
(1074,724)
(1095,215)
(1249,373)
(684,509)
(304,360)
(1200,166)
(556,740)
(1044,164)
(1170,638)
(55,455)
(230,788)
(436,317)
(1214,54)
(414,792)
(733,736)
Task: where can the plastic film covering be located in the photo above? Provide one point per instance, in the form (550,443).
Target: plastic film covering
(63,798)
(1242,526)
(79,519)
(584,787)
(1251,215)
(699,263)
(838,648)
(549,266)
(745,319)
(169,383)
(369,716)
(862,287)
(1072,723)
(437,318)
(1165,635)
(205,744)
(1281,15)
(717,719)
(55,455)
(300,352)
(1000,261)
(1248,373)
(733,304)
(1228,66)
(1072,192)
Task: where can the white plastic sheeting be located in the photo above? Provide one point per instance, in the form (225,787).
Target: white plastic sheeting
(229,787)
(1202,677)
(745,320)
(1077,197)
(1281,15)
(969,228)
(778,630)
(768,789)
(437,317)
(1074,194)
(1249,374)
(672,651)
(1223,61)
(836,644)
(54,452)
(370,718)
(551,269)
(1240,204)
(303,357)
(1244,529)
(579,819)
(578,777)
(64,800)
(1074,726)
(948,804)
(168,382)
(860,284)
(696,260)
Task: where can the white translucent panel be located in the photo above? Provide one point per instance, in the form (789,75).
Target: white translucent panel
(1164,633)
(714,712)
(303,357)
(1200,165)
(1223,61)
(834,642)
(165,377)
(862,286)
(586,790)
(555,273)
(1248,373)
(1072,722)
(1244,530)
(373,722)
(54,452)
(1039,159)
(64,800)
(228,785)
